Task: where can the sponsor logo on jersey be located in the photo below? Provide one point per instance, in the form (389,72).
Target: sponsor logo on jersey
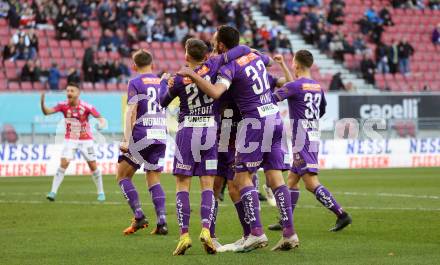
(246,59)
(311,87)
(151,80)
(201,71)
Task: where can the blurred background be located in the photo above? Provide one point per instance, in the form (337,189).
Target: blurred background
(378,60)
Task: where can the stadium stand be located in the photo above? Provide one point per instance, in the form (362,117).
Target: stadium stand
(62,34)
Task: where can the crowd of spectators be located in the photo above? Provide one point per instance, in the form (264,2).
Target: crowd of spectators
(98,69)
(416,4)
(23,45)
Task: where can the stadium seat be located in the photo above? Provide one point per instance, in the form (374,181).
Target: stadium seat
(122,87)
(112,86)
(39,86)
(14,86)
(87,86)
(27,86)
(100,86)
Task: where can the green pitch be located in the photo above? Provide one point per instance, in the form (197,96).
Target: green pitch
(396,220)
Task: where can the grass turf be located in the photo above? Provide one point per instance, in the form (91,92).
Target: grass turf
(395,221)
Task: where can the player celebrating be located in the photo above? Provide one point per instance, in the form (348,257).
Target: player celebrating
(144,143)
(306,105)
(230,119)
(198,118)
(78,137)
(248,81)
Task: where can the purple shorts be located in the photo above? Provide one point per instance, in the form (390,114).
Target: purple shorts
(269,153)
(190,161)
(226,164)
(305,162)
(152,157)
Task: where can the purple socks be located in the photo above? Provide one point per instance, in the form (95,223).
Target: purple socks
(326,198)
(284,205)
(243,219)
(251,203)
(158,198)
(294,196)
(183,211)
(130,193)
(214,220)
(207,207)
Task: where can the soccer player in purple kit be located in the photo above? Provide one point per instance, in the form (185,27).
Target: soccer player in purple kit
(144,143)
(307,104)
(226,158)
(196,142)
(261,127)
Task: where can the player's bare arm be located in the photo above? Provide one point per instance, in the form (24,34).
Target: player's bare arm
(287,75)
(130,119)
(213,91)
(46,110)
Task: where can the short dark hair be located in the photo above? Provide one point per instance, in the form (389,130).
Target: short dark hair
(196,48)
(304,58)
(228,35)
(142,58)
(73,84)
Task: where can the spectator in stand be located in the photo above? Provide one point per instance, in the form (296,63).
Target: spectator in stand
(394,57)
(368,69)
(73,76)
(382,58)
(359,45)
(246,38)
(9,51)
(372,16)
(30,72)
(385,15)
(336,15)
(323,43)
(170,11)
(181,31)
(405,52)
(284,44)
(88,64)
(434,4)
(100,70)
(337,47)
(336,84)
(27,17)
(108,41)
(169,30)
(13,14)
(54,77)
(436,35)
(307,28)
(23,45)
(4,9)
(264,33)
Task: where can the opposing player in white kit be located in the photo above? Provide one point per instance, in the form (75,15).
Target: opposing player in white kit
(78,137)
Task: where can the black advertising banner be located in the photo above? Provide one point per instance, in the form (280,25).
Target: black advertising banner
(389,106)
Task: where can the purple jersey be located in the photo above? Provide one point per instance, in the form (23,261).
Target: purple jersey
(145,90)
(249,83)
(307,104)
(149,131)
(194,104)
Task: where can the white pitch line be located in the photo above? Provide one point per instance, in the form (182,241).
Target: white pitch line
(383,194)
(221,205)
